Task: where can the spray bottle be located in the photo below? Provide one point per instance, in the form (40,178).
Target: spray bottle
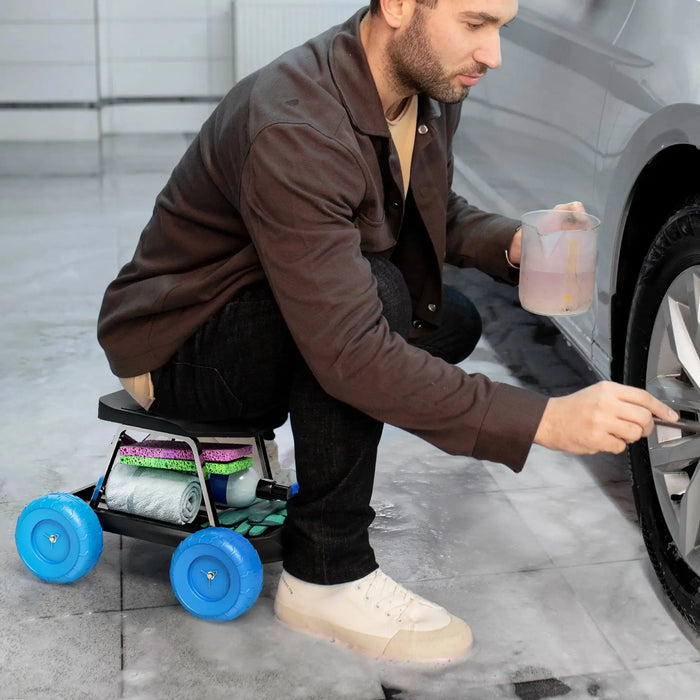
(241,489)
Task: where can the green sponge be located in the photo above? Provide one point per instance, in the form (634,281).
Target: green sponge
(170,454)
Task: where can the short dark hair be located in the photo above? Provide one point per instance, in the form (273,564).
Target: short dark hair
(374,5)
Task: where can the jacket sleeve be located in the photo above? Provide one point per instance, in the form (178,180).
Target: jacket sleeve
(299,198)
(478,239)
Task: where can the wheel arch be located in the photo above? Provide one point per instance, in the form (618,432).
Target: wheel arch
(661,188)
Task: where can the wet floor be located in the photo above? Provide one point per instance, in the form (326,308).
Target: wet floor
(548,566)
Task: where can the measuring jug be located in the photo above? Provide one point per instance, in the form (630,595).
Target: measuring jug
(557,262)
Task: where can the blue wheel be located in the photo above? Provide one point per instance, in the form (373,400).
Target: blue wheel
(59,537)
(216,574)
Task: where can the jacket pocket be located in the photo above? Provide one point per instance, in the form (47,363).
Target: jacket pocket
(375,236)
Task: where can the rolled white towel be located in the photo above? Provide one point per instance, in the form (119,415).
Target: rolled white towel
(160,494)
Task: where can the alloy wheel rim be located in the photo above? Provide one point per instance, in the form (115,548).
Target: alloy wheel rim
(673,376)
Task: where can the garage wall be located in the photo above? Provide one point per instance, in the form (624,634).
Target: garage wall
(79,69)
(265,28)
(164,64)
(48,70)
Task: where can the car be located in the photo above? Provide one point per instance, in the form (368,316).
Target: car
(599,100)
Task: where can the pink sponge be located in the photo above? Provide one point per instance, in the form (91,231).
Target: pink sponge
(216,458)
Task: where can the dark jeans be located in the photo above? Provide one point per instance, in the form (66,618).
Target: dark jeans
(243,362)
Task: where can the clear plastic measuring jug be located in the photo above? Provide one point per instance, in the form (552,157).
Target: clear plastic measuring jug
(557,262)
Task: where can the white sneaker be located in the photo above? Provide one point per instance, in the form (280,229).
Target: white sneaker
(373,615)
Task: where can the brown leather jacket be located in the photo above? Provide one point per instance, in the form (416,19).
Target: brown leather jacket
(292,178)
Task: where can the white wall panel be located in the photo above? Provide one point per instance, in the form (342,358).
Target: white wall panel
(26,82)
(218,7)
(158,79)
(149,39)
(97,51)
(265,28)
(48,43)
(220,76)
(48,125)
(154,118)
(220,36)
(48,55)
(152,9)
(40,10)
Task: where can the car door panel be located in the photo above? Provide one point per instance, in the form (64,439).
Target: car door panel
(532,132)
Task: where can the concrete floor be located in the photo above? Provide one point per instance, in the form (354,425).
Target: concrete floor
(548,567)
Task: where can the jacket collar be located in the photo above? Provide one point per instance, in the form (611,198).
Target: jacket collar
(353,78)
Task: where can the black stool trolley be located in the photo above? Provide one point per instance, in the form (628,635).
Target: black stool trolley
(216,573)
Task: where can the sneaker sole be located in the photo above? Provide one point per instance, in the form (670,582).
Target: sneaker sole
(397,648)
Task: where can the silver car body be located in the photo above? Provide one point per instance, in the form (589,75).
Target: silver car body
(596,100)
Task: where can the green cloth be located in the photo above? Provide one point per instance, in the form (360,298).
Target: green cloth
(255,519)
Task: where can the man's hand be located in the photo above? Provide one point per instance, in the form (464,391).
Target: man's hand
(515,248)
(605,417)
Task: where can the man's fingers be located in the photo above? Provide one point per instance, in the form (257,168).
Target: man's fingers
(570,206)
(638,421)
(606,416)
(640,397)
(610,392)
(572,220)
(629,431)
(632,410)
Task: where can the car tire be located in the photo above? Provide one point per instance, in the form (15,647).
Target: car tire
(662,355)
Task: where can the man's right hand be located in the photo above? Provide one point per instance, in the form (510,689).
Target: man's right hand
(604,417)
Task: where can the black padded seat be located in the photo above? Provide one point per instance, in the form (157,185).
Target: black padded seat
(120,407)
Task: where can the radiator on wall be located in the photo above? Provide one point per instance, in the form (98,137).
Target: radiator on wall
(263,29)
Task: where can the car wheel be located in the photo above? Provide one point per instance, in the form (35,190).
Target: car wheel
(662,354)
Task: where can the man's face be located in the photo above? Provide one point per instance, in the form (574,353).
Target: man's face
(444,51)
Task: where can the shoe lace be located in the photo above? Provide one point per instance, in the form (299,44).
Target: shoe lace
(388,595)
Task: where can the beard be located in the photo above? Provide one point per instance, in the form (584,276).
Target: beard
(416,68)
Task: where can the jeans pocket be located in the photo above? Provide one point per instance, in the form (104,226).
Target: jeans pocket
(197,392)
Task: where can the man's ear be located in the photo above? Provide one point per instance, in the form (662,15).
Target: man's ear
(396,12)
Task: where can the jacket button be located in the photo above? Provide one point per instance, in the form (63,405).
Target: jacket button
(432,308)
(422,129)
(416,323)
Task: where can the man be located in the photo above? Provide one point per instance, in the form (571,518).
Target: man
(294,260)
